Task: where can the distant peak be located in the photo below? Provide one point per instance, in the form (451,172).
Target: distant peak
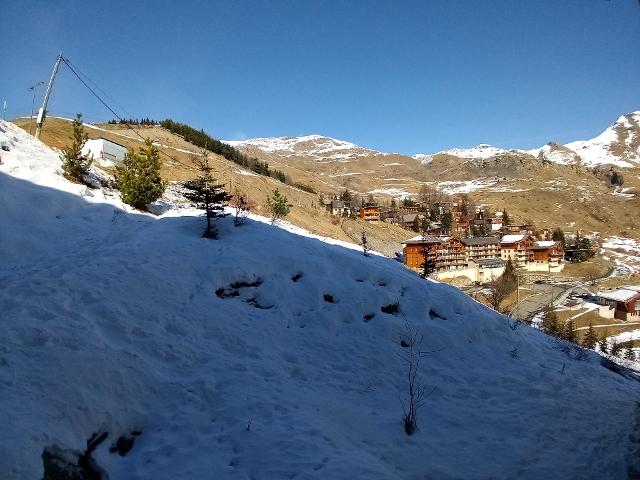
(317,146)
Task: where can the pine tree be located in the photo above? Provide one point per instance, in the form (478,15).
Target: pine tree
(428,262)
(346,195)
(629,354)
(278,205)
(602,344)
(569,332)
(616,348)
(447,221)
(139,176)
(505,218)
(365,244)
(74,164)
(208,196)
(558,236)
(590,338)
(510,276)
(550,322)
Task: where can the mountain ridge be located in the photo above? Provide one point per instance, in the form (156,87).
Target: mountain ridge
(617,145)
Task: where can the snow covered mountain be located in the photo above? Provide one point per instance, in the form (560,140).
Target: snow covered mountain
(482,151)
(618,145)
(315,146)
(267,354)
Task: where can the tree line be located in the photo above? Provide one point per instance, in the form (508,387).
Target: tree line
(201,139)
(133,121)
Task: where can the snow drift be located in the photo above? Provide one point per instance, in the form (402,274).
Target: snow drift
(266,354)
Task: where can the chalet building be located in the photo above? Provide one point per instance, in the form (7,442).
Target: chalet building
(517,248)
(410,220)
(622,303)
(104,152)
(518,229)
(339,208)
(481,248)
(370,213)
(482,258)
(415,248)
(451,255)
(548,256)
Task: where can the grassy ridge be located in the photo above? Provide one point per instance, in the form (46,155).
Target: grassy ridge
(203,140)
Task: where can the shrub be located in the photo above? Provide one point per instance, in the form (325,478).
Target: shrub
(139,176)
(74,164)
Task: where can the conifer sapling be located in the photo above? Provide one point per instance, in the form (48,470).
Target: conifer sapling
(590,338)
(74,164)
(208,196)
(365,244)
(138,177)
(278,205)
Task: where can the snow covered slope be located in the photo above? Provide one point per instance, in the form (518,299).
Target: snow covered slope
(315,146)
(266,354)
(618,145)
(556,153)
(483,151)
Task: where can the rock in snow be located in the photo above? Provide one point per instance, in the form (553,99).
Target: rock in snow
(111,323)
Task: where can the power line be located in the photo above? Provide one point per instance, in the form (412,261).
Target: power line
(122,121)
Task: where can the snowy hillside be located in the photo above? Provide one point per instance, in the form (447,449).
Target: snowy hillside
(267,354)
(556,153)
(315,146)
(618,145)
(482,151)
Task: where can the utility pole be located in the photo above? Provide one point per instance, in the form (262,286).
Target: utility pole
(33,101)
(43,110)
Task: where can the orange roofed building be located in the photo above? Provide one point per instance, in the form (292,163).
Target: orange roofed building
(370,213)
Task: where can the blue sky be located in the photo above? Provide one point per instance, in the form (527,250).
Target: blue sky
(398,76)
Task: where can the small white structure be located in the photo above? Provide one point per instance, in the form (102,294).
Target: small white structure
(104,152)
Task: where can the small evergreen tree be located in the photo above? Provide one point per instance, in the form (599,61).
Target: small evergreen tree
(278,205)
(365,244)
(208,196)
(510,276)
(629,354)
(550,322)
(346,195)
(446,221)
(590,338)
(585,249)
(428,262)
(505,218)
(616,348)
(74,164)
(569,332)
(558,236)
(138,178)
(602,344)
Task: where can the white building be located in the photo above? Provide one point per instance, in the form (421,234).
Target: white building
(104,152)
